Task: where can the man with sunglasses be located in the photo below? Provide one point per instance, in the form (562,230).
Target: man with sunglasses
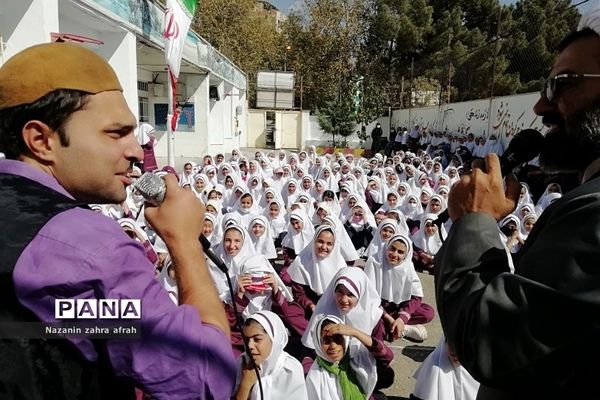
(533,334)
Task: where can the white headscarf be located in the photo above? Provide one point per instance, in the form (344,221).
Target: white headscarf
(439,378)
(308,269)
(364,316)
(144,133)
(377,243)
(281,375)
(297,241)
(246,214)
(264,244)
(395,283)
(430,244)
(258,265)
(170,285)
(234,263)
(345,243)
(278,223)
(320,384)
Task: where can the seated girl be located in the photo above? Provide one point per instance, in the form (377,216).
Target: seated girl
(299,235)
(314,268)
(281,375)
(386,229)
(262,238)
(360,227)
(401,292)
(345,367)
(441,377)
(260,288)
(427,242)
(275,218)
(247,208)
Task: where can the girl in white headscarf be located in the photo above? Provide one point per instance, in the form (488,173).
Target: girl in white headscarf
(412,209)
(347,205)
(385,230)
(236,247)
(290,192)
(375,193)
(527,225)
(345,243)
(262,237)
(510,228)
(299,235)
(441,377)
(400,289)
(360,226)
(331,182)
(237,192)
(427,242)
(168,281)
(247,208)
(211,172)
(259,286)
(275,217)
(361,178)
(345,368)
(315,266)
(135,231)
(281,375)
(267,197)
(353,298)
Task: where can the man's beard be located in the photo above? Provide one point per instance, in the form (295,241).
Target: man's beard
(574,144)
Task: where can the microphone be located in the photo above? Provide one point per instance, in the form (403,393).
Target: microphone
(153,189)
(524,147)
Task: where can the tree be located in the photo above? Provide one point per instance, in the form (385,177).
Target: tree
(336,118)
(241,34)
(326,36)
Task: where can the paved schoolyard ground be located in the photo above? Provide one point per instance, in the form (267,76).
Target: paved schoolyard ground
(407,355)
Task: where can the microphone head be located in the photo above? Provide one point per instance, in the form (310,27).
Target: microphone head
(524,147)
(151,187)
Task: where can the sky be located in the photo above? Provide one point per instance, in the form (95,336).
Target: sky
(285,5)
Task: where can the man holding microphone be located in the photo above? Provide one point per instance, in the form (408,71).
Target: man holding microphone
(534,333)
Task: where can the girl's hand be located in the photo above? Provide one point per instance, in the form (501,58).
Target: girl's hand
(269,279)
(397,328)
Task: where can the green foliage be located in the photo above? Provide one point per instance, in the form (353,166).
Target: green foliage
(406,50)
(336,118)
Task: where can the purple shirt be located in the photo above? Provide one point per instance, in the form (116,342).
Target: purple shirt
(83,254)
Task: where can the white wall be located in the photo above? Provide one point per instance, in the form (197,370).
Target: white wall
(24,23)
(509,115)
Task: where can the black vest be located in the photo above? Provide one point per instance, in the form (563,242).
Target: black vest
(40,368)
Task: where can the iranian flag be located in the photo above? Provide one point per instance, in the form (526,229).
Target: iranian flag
(178,17)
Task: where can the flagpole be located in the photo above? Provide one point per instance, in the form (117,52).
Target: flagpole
(171,119)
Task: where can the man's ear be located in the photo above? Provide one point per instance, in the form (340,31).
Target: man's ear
(41,140)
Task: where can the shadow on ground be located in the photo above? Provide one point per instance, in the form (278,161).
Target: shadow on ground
(417,353)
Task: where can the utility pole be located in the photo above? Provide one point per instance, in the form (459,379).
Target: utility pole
(402,93)
(410,95)
(447,59)
(449,79)
(494,70)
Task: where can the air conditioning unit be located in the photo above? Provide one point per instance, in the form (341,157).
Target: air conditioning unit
(158,89)
(213,93)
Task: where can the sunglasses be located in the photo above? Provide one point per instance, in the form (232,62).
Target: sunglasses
(555,84)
